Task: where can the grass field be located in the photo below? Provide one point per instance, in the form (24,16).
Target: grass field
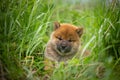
(25,27)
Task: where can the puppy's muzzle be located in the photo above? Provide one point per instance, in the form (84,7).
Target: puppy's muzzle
(64,46)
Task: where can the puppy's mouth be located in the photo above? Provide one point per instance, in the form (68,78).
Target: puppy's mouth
(64,47)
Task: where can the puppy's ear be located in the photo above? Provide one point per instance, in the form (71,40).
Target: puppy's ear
(79,31)
(56,25)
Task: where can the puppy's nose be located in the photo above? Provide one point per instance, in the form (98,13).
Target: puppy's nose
(63,46)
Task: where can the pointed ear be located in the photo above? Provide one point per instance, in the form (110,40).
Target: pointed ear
(79,31)
(56,25)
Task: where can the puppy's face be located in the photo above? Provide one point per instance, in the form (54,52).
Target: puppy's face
(65,38)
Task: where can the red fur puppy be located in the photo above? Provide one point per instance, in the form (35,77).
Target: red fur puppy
(63,44)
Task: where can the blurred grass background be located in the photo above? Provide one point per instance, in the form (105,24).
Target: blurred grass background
(25,27)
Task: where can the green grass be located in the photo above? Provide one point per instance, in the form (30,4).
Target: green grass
(25,27)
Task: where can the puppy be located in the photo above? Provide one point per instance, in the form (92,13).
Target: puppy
(63,44)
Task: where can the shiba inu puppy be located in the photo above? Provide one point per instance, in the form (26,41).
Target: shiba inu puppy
(64,42)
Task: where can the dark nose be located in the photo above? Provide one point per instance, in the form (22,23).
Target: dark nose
(63,46)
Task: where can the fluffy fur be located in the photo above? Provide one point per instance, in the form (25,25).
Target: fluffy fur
(64,42)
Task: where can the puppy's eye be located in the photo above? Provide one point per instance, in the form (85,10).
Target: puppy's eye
(59,38)
(70,40)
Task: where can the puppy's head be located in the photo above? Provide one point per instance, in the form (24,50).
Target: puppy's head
(65,38)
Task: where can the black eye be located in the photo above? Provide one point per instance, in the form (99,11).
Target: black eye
(70,40)
(59,38)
